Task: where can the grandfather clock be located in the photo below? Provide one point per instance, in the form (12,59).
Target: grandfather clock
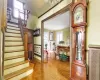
(78,68)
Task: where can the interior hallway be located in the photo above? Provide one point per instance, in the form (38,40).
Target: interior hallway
(53,70)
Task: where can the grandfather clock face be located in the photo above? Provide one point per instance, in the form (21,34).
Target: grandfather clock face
(78,15)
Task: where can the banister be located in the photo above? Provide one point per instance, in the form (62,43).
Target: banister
(21,25)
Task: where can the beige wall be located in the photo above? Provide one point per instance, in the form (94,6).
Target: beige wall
(93,28)
(32,22)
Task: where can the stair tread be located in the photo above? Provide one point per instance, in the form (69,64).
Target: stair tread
(13,57)
(8,76)
(13,29)
(13,36)
(12,32)
(15,64)
(12,45)
(13,40)
(13,26)
(13,51)
(16,26)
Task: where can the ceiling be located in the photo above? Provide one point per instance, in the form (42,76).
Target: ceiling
(38,7)
(58,22)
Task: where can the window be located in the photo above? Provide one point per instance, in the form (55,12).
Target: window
(18,7)
(46,38)
(59,36)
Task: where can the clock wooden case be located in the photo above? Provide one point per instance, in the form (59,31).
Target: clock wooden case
(78,68)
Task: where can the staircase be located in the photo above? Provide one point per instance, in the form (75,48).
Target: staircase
(15,65)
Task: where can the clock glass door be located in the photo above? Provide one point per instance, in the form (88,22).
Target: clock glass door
(78,45)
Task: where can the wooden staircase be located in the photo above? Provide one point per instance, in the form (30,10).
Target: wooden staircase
(15,65)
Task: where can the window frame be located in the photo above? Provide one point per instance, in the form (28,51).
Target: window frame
(58,34)
(18,9)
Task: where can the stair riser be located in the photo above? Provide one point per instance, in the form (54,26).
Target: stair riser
(10,24)
(8,62)
(13,54)
(11,34)
(13,38)
(14,31)
(11,49)
(13,43)
(22,75)
(15,28)
(16,68)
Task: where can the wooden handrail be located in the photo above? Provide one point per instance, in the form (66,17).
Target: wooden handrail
(20,25)
(24,34)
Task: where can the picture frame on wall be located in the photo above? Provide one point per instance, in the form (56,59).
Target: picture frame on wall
(36,32)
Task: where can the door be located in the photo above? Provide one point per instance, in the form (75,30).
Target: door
(78,16)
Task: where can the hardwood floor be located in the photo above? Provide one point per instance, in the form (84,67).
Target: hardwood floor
(53,70)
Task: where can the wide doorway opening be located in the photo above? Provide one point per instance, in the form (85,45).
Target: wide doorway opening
(56,43)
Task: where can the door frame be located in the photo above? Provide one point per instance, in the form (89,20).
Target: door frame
(61,11)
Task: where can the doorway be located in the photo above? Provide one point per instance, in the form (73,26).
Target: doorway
(54,44)
(57,37)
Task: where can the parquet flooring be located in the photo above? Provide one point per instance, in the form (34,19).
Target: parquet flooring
(53,70)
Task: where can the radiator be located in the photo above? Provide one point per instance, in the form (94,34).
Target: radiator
(94,63)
